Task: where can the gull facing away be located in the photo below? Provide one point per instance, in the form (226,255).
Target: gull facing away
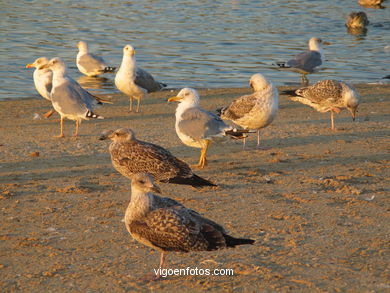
(90,64)
(42,80)
(166,225)
(69,99)
(134,81)
(356,23)
(306,62)
(328,96)
(357,20)
(196,127)
(254,111)
(130,156)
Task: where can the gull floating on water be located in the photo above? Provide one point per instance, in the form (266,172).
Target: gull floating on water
(356,23)
(130,156)
(90,64)
(254,111)
(196,127)
(306,62)
(371,3)
(69,99)
(166,225)
(328,96)
(134,81)
(42,80)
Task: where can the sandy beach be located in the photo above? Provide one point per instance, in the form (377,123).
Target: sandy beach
(316,202)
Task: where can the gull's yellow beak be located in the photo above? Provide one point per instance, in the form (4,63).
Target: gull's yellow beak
(174,99)
(30,65)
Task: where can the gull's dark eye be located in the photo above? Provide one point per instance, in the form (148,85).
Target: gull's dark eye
(141,181)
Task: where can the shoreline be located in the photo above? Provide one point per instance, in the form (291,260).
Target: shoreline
(316,202)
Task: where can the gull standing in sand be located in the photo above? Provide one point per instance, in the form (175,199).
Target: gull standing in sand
(43,78)
(90,64)
(328,96)
(306,62)
(166,225)
(196,127)
(133,81)
(130,156)
(254,111)
(69,99)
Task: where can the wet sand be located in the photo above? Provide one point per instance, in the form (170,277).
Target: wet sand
(316,202)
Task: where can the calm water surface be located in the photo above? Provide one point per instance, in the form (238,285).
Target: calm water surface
(190,43)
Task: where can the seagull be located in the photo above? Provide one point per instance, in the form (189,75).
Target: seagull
(42,80)
(357,20)
(133,81)
(371,3)
(90,64)
(196,127)
(328,96)
(254,111)
(166,225)
(130,156)
(306,62)
(69,99)
(356,23)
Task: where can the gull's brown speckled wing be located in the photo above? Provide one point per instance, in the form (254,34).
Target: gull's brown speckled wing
(174,229)
(239,107)
(325,91)
(142,157)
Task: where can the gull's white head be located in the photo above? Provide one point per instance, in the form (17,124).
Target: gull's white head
(315,44)
(258,82)
(186,95)
(55,64)
(38,63)
(143,182)
(82,46)
(128,50)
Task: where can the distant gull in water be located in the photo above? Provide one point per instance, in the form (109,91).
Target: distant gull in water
(371,3)
(69,99)
(166,225)
(130,156)
(306,62)
(328,96)
(356,23)
(42,80)
(254,111)
(196,127)
(133,81)
(357,20)
(90,64)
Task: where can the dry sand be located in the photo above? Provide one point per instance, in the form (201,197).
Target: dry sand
(317,202)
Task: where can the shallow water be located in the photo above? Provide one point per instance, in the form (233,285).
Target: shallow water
(191,43)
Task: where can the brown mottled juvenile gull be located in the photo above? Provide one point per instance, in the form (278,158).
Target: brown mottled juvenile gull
(130,156)
(196,127)
(254,111)
(133,81)
(306,62)
(328,96)
(69,99)
(371,3)
(90,64)
(166,225)
(42,80)
(357,20)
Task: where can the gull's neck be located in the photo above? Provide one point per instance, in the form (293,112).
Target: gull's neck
(314,46)
(58,75)
(140,204)
(183,106)
(128,65)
